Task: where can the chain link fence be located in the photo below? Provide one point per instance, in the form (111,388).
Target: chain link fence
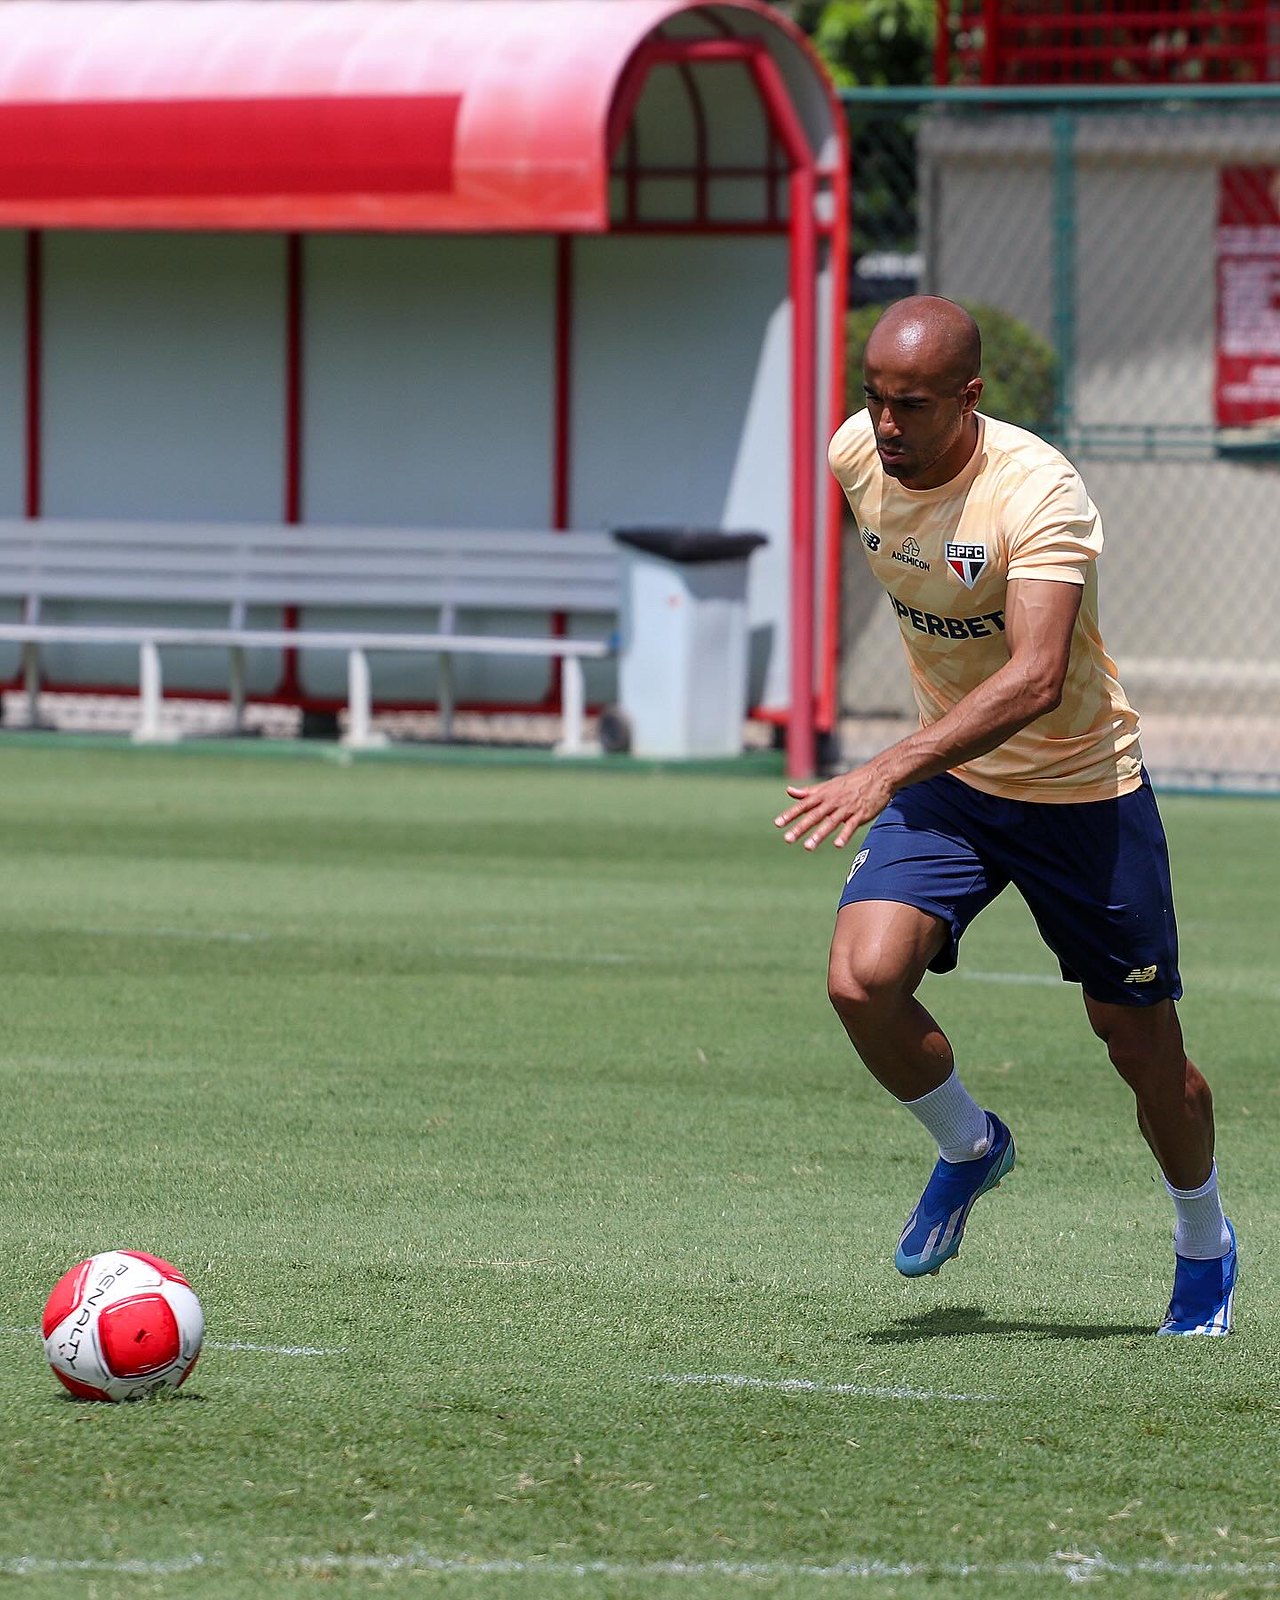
(1121,250)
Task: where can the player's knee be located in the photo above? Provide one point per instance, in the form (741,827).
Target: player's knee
(1157,1074)
(1135,1054)
(862,982)
(1144,1044)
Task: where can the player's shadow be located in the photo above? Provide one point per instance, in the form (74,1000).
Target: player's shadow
(950,1322)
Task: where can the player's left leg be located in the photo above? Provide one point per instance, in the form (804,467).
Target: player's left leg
(1174,1105)
(1096,877)
(1175,1114)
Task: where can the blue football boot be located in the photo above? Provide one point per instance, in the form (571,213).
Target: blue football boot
(936,1226)
(1203,1293)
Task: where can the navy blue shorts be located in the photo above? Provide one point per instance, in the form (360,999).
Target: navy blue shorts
(1095,875)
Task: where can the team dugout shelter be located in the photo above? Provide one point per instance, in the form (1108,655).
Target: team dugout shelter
(527,264)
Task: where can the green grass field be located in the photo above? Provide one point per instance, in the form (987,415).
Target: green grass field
(513,1095)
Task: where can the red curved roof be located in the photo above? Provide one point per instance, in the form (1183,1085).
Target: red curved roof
(459,115)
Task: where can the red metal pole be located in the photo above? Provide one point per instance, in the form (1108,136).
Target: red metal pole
(800,742)
(35,372)
(990,41)
(562,414)
(561,435)
(828,691)
(801,747)
(290,684)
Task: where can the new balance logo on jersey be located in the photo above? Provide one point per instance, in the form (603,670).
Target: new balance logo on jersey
(967,561)
(870,539)
(857,862)
(1142,975)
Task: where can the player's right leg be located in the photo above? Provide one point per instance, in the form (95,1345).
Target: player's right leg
(912,890)
(879,954)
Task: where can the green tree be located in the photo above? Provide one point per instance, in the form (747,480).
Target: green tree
(871,42)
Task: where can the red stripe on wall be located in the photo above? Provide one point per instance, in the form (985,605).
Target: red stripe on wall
(126,149)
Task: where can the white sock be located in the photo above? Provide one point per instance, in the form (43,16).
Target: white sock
(954,1118)
(1201,1230)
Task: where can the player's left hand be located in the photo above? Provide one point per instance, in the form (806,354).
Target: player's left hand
(842,803)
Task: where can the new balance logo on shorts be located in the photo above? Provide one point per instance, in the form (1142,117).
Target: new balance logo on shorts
(1142,975)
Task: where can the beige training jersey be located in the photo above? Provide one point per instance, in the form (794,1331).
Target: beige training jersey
(945,557)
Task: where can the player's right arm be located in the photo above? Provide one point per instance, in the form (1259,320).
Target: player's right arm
(1040,619)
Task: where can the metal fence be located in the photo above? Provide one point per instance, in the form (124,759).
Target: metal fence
(1122,251)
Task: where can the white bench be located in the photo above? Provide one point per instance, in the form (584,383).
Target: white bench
(419,582)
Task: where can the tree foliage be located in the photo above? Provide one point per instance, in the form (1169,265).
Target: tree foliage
(872,42)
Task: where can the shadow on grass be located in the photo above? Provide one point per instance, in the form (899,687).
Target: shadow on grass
(949,1322)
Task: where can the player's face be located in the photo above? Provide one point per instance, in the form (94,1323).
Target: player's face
(923,421)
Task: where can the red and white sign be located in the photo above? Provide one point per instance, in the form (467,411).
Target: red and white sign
(1248,368)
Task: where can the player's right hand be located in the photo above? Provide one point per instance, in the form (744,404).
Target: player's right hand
(839,805)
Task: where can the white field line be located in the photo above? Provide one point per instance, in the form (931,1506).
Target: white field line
(194,935)
(736,1380)
(276,1349)
(42,1566)
(227,1344)
(1074,1566)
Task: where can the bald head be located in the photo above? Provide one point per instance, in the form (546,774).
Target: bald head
(935,337)
(920,374)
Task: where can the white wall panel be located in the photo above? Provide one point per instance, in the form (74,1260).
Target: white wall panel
(429,377)
(681,403)
(163,376)
(428,381)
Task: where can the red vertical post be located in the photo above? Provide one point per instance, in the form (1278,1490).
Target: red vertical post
(561,432)
(838,244)
(561,463)
(34,410)
(801,748)
(293,379)
(802,191)
(290,684)
(990,67)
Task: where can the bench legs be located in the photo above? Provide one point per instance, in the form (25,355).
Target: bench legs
(573,701)
(237,690)
(150,699)
(31,680)
(445,669)
(360,734)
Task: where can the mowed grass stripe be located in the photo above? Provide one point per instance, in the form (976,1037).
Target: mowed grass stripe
(526,1088)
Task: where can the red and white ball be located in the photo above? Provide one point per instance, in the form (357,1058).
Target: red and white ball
(121,1326)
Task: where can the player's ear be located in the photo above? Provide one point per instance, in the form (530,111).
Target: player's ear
(970,395)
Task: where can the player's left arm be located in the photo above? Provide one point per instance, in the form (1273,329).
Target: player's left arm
(1040,618)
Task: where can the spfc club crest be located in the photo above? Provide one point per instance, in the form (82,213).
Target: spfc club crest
(967,561)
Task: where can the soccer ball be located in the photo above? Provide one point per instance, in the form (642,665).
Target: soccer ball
(121,1326)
